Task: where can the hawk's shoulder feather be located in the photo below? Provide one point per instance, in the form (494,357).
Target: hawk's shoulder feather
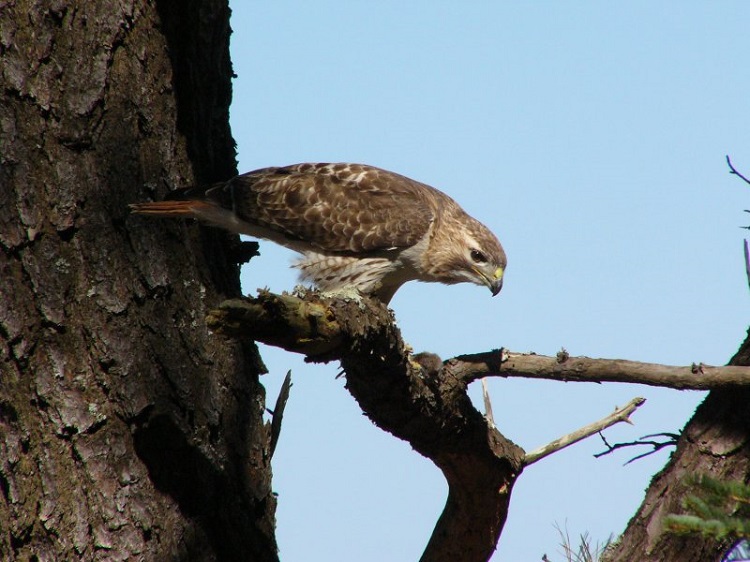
(336,207)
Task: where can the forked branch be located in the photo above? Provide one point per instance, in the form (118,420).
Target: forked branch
(670,440)
(404,396)
(425,402)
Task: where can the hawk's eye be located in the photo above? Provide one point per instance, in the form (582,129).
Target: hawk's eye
(478,256)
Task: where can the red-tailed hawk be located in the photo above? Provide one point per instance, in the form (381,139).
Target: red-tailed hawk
(356,226)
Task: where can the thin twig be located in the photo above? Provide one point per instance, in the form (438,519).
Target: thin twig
(733,170)
(619,415)
(656,445)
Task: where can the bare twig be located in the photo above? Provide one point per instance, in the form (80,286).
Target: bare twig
(619,415)
(278,411)
(502,363)
(645,440)
(586,552)
(733,170)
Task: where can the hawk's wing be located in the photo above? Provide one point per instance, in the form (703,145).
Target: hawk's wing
(335,207)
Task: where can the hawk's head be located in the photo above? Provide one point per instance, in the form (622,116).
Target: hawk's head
(473,255)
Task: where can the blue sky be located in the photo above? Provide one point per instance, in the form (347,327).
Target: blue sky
(590,137)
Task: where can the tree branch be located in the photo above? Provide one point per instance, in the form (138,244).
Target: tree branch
(408,398)
(619,415)
(502,363)
(424,401)
(284,321)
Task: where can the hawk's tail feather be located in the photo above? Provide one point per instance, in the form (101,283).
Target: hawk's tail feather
(171,208)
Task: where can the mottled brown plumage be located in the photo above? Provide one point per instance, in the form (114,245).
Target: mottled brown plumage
(356,226)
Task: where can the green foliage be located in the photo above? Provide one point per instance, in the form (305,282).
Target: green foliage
(719,509)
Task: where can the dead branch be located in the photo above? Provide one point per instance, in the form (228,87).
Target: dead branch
(431,411)
(619,415)
(502,363)
(646,440)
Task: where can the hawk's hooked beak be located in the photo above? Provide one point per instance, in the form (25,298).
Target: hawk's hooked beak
(494,282)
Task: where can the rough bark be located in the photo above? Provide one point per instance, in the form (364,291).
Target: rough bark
(421,402)
(126,430)
(716,442)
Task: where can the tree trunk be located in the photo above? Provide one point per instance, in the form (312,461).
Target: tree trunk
(127,430)
(715,442)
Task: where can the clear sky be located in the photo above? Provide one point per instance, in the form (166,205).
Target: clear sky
(590,137)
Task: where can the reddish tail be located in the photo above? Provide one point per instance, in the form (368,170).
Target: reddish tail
(186,208)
